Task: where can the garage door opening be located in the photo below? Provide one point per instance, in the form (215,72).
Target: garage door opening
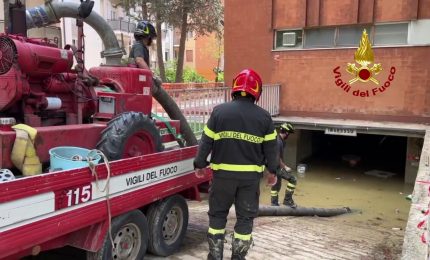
(375,155)
(378,198)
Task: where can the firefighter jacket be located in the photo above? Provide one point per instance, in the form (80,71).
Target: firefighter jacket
(241,139)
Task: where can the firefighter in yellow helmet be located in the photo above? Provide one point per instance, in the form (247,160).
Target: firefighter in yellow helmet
(241,139)
(284,171)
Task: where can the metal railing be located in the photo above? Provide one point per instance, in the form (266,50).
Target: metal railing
(197,103)
(121,25)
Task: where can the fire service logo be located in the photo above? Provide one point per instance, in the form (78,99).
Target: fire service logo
(364,72)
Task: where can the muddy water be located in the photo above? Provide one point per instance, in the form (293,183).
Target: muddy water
(375,201)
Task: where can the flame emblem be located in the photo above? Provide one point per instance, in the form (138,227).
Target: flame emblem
(364,56)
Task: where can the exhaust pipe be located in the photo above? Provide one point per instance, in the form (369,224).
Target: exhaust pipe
(52,12)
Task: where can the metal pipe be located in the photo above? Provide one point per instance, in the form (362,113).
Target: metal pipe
(52,12)
(6,15)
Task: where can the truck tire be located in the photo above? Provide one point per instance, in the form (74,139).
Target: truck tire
(168,222)
(128,135)
(130,236)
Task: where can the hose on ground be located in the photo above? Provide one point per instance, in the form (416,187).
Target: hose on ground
(301,211)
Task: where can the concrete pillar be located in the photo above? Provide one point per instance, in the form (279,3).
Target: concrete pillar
(298,147)
(290,150)
(413,152)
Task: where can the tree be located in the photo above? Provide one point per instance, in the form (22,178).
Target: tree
(199,16)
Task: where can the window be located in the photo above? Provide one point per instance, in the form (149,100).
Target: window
(189,56)
(319,38)
(342,36)
(289,39)
(391,34)
(350,36)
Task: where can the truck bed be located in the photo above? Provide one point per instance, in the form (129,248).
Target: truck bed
(63,208)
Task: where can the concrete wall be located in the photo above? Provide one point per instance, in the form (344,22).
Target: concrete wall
(306,75)
(413,246)
(298,148)
(413,152)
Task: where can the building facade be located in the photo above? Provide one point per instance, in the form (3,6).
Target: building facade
(306,47)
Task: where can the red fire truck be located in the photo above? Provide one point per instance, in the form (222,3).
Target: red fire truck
(141,202)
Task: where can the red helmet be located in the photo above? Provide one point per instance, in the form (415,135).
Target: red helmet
(248,81)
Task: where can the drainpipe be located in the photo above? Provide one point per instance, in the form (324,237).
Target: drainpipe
(6,15)
(52,12)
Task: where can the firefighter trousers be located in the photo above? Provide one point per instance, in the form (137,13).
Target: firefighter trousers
(292,181)
(245,196)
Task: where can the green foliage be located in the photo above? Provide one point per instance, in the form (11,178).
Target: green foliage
(200,16)
(190,75)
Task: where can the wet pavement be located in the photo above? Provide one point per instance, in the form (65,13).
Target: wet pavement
(374,231)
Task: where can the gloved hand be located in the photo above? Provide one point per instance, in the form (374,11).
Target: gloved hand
(200,173)
(271,179)
(288,169)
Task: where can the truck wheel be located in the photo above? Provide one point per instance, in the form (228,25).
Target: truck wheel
(168,221)
(128,135)
(130,237)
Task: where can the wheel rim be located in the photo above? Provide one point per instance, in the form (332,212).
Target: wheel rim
(127,242)
(172,225)
(138,144)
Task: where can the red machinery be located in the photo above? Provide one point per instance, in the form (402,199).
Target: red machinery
(39,88)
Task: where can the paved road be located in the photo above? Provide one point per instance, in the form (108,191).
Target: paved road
(304,238)
(297,238)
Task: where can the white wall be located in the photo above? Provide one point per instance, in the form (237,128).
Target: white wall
(93,42)
(419,32)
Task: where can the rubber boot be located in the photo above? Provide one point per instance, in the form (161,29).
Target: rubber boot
(288,200)
(216,246)
(274,201)
(240,248)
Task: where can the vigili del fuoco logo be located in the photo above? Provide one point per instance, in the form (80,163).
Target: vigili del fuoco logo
(363,72)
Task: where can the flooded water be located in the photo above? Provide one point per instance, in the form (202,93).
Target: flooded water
(375,201)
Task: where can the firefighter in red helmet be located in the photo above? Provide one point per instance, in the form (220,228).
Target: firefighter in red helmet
(241,139)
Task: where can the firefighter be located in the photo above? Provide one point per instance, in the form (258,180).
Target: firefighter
(284,172)
(241,139)
(144,34)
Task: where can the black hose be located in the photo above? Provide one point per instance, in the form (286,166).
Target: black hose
(301,211)
(174,112)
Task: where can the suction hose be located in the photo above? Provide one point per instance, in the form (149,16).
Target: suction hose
(173,111)
(301,211)
(52,11)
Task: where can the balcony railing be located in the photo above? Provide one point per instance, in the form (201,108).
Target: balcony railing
(197,103)
(121,25)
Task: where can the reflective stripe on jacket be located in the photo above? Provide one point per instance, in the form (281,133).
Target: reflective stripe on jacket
(241,139)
